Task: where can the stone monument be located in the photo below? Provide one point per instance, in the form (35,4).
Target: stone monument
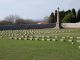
(58,23)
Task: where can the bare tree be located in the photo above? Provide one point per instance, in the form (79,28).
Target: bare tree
(12,18)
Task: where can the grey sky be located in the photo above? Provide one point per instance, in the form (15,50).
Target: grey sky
(34,9)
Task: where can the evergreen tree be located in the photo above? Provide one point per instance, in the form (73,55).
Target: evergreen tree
(65,16)
(78,16)
(74,18)
(68,11)
(51,18)
(68,18)
(55,18)
(62,14)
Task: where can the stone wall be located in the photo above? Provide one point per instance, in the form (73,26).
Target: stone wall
(70,25)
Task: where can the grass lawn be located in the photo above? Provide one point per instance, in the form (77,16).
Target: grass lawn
(38,50)
(11,48)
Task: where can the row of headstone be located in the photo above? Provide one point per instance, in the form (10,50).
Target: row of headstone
(42,35)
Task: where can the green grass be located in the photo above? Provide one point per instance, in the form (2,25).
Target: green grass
(38,50)
(11,49)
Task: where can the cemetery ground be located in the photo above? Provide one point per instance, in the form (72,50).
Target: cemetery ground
(40,44)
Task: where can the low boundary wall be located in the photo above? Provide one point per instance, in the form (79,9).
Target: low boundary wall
(70,25)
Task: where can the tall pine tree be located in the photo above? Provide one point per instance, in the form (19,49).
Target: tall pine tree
(55,18)
(74,18)
(62,14)
(51,18)
(78,16)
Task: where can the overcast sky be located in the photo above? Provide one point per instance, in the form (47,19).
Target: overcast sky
(34,9)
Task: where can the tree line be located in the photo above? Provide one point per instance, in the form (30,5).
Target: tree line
(16,20)
(69,16)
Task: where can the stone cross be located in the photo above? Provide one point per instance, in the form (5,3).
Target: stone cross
(58,23)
